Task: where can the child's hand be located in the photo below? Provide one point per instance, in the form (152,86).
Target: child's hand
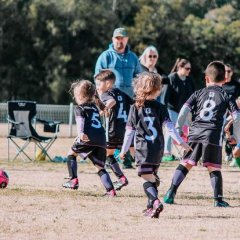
(186,147)
(236,152)
(232,140)
(121,156)
(84,138)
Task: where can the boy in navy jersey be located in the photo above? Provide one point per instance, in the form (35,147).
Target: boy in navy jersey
(90,141)
(146,119)
(208,107)
(117,105)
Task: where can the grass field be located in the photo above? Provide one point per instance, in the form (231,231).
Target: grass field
(34,206)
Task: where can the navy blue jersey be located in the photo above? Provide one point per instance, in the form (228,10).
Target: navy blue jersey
(93,128)
(147,122)
(208,107)
(118,114)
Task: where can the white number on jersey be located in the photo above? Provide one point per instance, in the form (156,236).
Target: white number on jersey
(151,128)
(96,123)
(207,112)
(122,113)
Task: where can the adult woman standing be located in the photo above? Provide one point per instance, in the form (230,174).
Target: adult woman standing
(175,94)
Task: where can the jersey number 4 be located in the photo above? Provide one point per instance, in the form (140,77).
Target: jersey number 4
(122,113)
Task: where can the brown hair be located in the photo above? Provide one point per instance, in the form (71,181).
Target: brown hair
(216,71)
(104,75)
(180,62)
(145,84)
(84,88)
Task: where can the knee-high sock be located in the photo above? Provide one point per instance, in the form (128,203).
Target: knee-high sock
(105,179)
(151,191)
(72,166)
(217,184)
(179,175)
(115,166)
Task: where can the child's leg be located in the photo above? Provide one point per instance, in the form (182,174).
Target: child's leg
(178,176)
(217,185)
(113,163)
(122,180)
(154,206)
(72,170)
(98,157)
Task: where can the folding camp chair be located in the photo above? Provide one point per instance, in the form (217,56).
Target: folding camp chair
(22,116)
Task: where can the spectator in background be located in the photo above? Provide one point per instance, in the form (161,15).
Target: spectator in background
(125,65)
(232,88)
(148,61)
(176,93)
(121,60)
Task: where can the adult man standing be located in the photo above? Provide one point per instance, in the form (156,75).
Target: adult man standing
(121,60)
(125,65)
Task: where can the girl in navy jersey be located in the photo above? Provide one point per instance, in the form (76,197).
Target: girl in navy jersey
(145,122)
(90,142)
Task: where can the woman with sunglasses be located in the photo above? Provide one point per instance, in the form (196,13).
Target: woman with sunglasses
(148,61)
(175,94)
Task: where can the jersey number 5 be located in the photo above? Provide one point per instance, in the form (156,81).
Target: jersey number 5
(96,123)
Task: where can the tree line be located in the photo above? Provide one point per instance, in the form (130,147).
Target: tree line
(47,44)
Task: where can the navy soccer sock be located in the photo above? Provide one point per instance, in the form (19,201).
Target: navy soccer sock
(217,185)
(105,179)
(151,191)
(72,166)
(115,166)
(179,175)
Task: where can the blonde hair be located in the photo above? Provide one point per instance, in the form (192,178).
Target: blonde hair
(84,88)
(144,85)
(143,57)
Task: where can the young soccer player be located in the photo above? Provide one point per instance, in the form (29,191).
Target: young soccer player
(90,141)
(117,105)
(146,119)
(208,107)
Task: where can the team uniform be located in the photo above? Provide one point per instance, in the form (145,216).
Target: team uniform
(145,125)
(88,121)
(208,107)
(89,124)
(117,116)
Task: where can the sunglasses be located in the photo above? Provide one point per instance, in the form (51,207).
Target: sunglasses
(188,69)
(152,56)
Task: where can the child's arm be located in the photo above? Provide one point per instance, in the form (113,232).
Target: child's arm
(182,116)
(129,134)
(80,128)
(227,129)
(175,135)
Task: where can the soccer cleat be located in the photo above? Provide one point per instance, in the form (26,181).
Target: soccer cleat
(157,209)
(221,204)
(120,183)
(168,158)
(111,193)
(147,212)
(72,184)
(169,197)
(233,163)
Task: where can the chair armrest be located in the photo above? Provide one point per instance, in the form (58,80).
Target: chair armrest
(14,122)
(50,123)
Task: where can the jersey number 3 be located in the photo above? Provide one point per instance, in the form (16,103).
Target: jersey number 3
(151,128)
